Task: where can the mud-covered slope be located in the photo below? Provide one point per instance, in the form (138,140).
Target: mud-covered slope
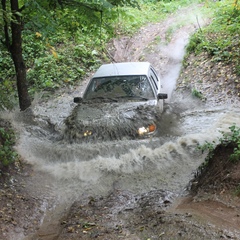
(217,82)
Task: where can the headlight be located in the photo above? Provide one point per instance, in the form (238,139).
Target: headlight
(87,133)
(147,130)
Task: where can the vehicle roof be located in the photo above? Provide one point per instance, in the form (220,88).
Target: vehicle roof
(123,69)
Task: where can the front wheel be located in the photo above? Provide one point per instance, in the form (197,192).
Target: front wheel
(160,105)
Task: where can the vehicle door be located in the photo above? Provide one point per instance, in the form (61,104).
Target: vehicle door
(155,81)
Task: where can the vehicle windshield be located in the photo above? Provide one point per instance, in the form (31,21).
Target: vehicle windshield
(119,87)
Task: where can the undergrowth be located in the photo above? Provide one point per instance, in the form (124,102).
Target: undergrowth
(7,153)
(221,39)
(232,137)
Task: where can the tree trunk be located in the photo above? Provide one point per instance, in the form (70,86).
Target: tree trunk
(16,53)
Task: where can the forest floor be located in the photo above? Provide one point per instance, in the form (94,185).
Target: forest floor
(211,210)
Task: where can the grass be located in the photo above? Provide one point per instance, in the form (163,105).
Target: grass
(220,40)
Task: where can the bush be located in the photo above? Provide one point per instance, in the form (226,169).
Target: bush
(8,93)
(7,141)
(228,138)
(62,65)
(234,138)
(221,39)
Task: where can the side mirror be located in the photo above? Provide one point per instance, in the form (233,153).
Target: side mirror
(162,96)
(77,100)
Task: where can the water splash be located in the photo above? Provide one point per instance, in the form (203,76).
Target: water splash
(166,162)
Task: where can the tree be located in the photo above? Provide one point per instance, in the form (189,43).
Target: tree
(40,15)
(14,46)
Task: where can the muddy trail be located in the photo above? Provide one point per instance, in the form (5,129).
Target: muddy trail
(123,189)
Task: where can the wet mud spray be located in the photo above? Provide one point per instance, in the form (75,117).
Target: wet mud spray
(67,172)
(166,162)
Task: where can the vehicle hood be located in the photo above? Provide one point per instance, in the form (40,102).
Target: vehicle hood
(106,111)
(111,120)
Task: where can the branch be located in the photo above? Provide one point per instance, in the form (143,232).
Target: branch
(198,24)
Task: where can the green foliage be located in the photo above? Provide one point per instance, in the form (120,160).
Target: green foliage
(8,97)
(209,147)
(64,64)
(197,94)
(7,81)
(7,140)
(6,64)
(131,19)
(232,137)
(221,38)
(33,47)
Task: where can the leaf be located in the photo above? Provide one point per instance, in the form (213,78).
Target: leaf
(18,14)
(38,35)
(54,53)
(94,52)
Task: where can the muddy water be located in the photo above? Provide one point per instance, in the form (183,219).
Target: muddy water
(166,162)
(67,172)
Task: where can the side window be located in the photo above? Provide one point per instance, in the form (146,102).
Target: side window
(154,78)
(153,82)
